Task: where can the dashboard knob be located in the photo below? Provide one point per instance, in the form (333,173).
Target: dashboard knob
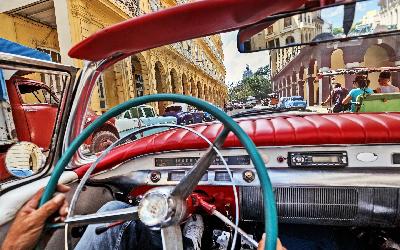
(248,176)
(155,176)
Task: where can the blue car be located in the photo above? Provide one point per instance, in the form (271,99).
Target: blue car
(184,114)
(296,102)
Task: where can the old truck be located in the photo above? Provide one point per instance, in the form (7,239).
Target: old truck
(139,117)
(34,107)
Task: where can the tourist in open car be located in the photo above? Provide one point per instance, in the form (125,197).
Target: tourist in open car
(360,84)
(384,84)
(313,179)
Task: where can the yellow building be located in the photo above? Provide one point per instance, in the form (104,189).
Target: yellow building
(192,67)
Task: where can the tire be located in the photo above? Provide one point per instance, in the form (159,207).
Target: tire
(102,140)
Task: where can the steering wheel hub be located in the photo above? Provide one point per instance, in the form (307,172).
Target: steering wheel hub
(158,208)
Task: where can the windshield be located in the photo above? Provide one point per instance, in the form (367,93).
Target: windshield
(36,94)
(173,109)
(352,76)
(297,98)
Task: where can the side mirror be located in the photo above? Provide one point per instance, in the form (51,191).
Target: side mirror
(24,159)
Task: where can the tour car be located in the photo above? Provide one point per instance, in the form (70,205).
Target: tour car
(139,117)
(327,181)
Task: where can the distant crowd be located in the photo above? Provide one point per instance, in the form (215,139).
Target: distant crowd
(342,99)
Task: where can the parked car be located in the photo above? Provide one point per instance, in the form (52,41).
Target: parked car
(32,102)
(183,113)
(229,107)
(296,102)
(282,102)
(139,117)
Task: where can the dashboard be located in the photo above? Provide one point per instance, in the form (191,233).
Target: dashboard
(332,184)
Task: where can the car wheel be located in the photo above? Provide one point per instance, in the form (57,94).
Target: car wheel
(102,140)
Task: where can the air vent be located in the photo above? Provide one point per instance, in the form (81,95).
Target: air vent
(302,203)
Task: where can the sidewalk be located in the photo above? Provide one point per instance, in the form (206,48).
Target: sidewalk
(319,108)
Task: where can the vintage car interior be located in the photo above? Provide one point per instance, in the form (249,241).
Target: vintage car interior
(328,178)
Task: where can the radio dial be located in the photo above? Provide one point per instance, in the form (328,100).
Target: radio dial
(298,159)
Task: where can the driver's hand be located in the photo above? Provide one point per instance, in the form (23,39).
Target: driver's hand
(261,244)
(30,220)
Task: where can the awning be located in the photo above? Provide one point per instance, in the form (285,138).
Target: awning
(7,46)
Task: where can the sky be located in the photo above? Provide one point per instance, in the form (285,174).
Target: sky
(334,15)
(235,62)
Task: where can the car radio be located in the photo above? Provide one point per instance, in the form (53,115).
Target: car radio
(318,159)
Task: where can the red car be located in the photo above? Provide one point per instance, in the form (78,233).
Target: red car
(34,108)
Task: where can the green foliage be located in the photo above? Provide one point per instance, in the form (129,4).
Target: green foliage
(258,85)
(336,31)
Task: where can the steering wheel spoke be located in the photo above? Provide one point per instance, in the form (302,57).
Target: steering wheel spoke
(188,183)
(125,214)
(172,238)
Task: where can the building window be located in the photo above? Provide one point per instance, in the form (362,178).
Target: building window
(270,29)
(271,44)
(289,40)
(308,19)
(55,55)
(287,22)
(277,42)
(102,94)
(300,18)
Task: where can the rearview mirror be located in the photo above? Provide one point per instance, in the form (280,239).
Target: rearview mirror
(24,159)
(339,23)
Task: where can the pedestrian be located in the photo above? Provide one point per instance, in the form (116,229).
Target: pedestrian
(336,97)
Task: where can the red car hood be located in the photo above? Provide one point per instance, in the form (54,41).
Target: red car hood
(315,129)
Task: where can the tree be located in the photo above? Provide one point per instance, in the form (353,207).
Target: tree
(337,31)
(257,85)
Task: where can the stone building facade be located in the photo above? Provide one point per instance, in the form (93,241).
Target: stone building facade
(191,67)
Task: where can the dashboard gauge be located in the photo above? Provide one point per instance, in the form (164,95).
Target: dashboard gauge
(190,161)
(178,175)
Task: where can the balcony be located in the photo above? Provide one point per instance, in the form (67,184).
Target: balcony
(130,7)
(211,45)
(178,47)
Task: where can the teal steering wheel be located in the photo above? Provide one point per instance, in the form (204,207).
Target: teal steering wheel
(271,222)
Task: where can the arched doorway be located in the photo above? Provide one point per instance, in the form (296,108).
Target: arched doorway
(185,84)
(161,85)
(200,90)
(194,88)
(174,82)
(139,75)
(337,62)
(377,56)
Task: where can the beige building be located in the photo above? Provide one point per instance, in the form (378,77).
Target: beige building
(192,67)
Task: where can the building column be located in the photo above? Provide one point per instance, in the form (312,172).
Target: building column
(301,88)
(351,60)
(294,89)
(310,88)
(63,30)
(396,76)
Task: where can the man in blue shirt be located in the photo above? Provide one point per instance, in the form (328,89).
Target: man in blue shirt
(360,84)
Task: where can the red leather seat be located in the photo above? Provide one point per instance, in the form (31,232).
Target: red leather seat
(314,129)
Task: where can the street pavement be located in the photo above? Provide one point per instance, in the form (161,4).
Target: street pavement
(317,109)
